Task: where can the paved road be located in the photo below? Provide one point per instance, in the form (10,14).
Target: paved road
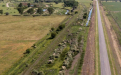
(104,61)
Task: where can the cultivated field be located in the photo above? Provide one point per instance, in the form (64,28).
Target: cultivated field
(17,33)
(115,10)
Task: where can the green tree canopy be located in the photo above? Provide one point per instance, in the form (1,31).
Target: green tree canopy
(20,10)
(29,4)
(50,10)
(40,11)
(20,5)
(30,11)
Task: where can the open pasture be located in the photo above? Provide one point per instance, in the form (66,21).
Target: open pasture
(10,10)
(17,33)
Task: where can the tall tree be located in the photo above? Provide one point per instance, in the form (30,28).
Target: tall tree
(29,4)
(20,10)
(50,10)
(20,5)
(30,11)
(36,1)
(35,5)
(40,11)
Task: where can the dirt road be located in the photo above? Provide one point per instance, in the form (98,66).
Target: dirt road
(104,61)
(88,67)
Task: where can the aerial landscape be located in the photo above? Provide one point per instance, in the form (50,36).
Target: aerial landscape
(60,37)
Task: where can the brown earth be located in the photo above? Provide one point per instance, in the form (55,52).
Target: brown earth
(88,67)
(114,46)
(73,65)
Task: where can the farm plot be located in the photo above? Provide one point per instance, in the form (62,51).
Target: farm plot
(114,9)
(19,33)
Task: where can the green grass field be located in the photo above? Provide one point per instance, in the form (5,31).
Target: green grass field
(115,10)
(19,33)
(117,16)
(10,10)
(112,6)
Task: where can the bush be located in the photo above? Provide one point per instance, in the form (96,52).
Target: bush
(7,13)
(53,35)
(1,11)
(52,29)
(60,27)
(35,72)
(3,5)
(76,12)
(27,51)
(84,16)
(63,54)
(50,10)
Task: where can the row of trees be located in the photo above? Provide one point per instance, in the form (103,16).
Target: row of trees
(28,5)
(31,10)
(39,10)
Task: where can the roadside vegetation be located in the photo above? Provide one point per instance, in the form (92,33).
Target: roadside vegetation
(97,54)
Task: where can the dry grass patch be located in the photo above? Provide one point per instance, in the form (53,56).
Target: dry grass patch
(17,33)
(27,28)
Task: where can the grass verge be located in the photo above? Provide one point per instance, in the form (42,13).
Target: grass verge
(97,56)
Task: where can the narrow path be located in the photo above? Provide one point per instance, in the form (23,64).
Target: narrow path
(7,4)
(104,61)
(27,9)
